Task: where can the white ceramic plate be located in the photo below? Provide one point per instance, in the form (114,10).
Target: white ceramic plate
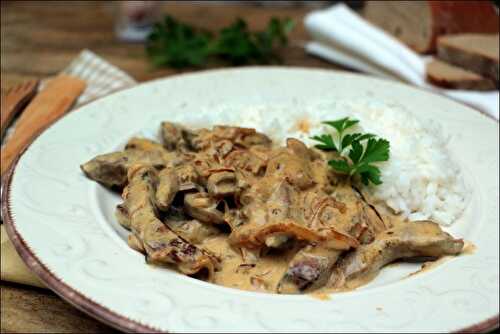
(62,223)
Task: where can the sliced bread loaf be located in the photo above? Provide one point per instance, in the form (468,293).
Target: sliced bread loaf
(450,76)
(419,23)
(475,52)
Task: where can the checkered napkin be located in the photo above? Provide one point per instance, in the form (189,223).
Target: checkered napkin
(102,78)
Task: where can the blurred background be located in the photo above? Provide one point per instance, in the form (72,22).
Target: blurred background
(39,37)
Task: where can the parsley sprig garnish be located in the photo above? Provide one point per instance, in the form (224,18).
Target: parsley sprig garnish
(357,157)
(177,44)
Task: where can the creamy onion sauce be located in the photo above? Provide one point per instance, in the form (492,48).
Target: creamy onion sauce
(262,276)
(266,273)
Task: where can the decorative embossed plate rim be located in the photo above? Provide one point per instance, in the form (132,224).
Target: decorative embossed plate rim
(54,283)
(55,278)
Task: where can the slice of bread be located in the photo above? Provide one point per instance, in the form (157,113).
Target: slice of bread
(478,53)
(419,23)
(449,76)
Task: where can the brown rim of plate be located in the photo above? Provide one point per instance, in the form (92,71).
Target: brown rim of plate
(64,291)
(103,313)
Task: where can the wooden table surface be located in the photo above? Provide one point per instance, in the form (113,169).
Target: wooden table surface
(38,39)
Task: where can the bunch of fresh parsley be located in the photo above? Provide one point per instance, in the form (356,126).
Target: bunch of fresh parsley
(357,158)
(176,44)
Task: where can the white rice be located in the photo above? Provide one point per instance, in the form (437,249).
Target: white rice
(420,180)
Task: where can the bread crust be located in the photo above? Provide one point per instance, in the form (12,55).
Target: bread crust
(472,60)
(435,18)
(448,76)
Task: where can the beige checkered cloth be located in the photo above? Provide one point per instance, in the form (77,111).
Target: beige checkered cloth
(102,79)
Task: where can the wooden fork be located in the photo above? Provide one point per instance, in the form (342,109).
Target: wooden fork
(49,105)
(14,101)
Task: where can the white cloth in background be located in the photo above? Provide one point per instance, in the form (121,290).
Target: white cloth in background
(342,36)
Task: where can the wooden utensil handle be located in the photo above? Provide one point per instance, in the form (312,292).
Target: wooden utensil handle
(48,106)
(8,112)
(14,101)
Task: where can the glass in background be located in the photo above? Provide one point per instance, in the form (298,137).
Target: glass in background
(134,19)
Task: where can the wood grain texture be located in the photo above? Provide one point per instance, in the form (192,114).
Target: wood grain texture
(33,310)
(41,38)
(14,102)
(48,106)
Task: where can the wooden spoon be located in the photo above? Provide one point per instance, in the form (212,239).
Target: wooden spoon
(48,106)
(14,101)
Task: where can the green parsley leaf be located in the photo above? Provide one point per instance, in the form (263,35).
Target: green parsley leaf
(376,150)
(341,166)
(366,136)
(176,44)
(341,124)
(370,173)
(359,159)
(356,152)
(326,141)
(349,138)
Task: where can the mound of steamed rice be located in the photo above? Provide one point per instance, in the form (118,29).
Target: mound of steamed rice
(420,180)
